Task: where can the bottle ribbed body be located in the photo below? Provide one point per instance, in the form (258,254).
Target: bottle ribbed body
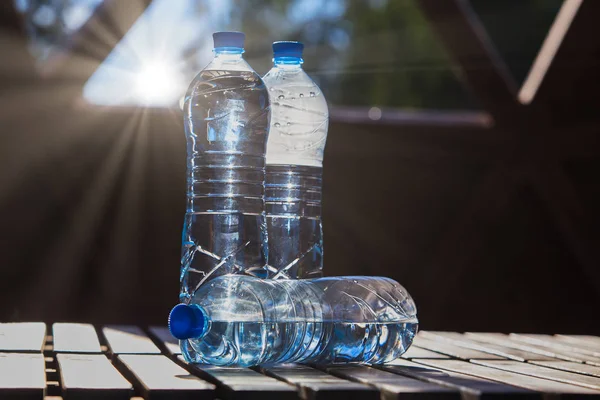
(293,209)
(226,118)
(297,135)
(328,320)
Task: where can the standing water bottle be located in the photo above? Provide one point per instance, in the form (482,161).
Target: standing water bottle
(298,130)
(226,119)
(242,321)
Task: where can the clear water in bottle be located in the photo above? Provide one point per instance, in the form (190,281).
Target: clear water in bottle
(243,321)
(226,119)
(297,135)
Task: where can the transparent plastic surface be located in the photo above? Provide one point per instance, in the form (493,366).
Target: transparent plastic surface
(299,116)
(248,321)
(297,135)
(226,118)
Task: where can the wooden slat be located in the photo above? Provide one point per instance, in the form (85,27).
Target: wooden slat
(491,348)
(244,383)
(542,372)
(396,116)
(471,387)
(314,384)
(418,352)
(453,350)
(505,340)
(75,338)
(551,44)
(569,366)
(511,378)
(568,67)
(158,377)
(22,376)
(170,344)
(554,343)
(585,340)
(127,339)
(91,376)
(22,337)
(393,386)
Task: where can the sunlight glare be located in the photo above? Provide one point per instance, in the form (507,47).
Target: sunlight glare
(157,84)
(154,62)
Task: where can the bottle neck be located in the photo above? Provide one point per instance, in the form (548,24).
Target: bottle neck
(228,53)
(228,58)
(288,63)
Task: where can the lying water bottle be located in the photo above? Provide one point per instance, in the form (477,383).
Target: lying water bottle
(298,130)
(226,119)
(241,321)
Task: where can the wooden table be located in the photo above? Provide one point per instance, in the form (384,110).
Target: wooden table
(80,361)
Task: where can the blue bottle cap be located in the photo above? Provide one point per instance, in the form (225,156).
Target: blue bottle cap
(229,39)
(187,322)
(287,49)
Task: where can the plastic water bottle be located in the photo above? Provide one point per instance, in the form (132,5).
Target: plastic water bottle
(226,118)
(242,321)
(298,130)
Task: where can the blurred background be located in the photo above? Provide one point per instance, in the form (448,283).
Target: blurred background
(463,155)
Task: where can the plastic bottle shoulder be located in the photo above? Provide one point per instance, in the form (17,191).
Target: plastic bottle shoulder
(299,118)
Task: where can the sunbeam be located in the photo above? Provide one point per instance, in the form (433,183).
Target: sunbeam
(157,82)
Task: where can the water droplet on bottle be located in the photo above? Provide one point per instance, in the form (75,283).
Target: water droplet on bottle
(281,97)
(272,89)
(312,94)
(288,123)
(277,124)
(301,94)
